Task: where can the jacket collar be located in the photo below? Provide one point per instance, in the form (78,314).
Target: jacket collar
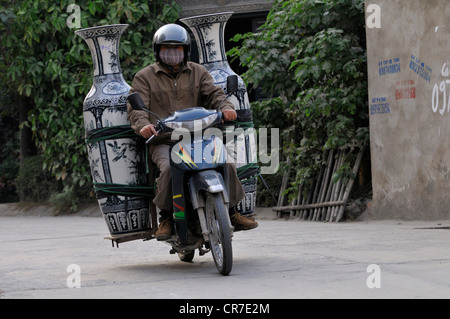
(159,67)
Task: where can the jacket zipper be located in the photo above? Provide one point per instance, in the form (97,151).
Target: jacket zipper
(176,92)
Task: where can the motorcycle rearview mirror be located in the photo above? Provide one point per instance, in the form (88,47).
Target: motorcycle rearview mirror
(232,87)
(232,84)
(136,101)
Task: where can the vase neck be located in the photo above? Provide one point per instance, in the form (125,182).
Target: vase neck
(103,43)
(209,31)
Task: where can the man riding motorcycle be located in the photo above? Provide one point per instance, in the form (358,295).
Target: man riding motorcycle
(174,83)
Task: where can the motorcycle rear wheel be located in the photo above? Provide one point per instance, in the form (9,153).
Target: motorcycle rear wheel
(217,220)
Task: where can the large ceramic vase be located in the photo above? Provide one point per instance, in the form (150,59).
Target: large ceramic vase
(115,153)
(240,139)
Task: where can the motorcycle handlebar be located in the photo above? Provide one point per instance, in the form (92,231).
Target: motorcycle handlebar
(151,137)
(160,128)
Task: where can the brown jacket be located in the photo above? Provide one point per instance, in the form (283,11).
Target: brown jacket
(163,94)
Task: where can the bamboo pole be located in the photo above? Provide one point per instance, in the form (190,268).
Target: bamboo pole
(341,197)
(331,189)
(292,211)
(316,188)
(337,188)
(350,184)
(304,212)
(326,179)
(299,198)
(325,200)
(308,206)
(283,186)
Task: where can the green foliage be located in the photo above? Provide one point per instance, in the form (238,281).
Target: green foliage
(9,152)
(9,168)
(66,201)
(41,58)
(33,183)
(309,59)
(9,157)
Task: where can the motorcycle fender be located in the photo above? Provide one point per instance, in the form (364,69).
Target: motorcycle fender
(210,181)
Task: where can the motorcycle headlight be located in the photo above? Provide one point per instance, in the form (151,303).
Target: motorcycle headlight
(193,125)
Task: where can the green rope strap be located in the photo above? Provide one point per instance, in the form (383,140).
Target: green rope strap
(110,133)
(245,168)
(248,172)
(243,181)
(243,124)
(124,190)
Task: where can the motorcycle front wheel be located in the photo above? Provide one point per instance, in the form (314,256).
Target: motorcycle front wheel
(217,220)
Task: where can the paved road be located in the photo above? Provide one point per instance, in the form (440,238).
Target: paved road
(279,259)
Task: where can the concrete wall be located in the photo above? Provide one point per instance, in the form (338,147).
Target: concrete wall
(408,45)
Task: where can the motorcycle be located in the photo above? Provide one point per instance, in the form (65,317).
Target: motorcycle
(199,189)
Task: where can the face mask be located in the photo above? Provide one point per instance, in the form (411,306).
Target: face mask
(171,56)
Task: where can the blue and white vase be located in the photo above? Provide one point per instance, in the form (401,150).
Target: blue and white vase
(208,32)
(116,157)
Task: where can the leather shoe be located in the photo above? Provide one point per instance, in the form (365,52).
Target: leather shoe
(165,229)
(241,222)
